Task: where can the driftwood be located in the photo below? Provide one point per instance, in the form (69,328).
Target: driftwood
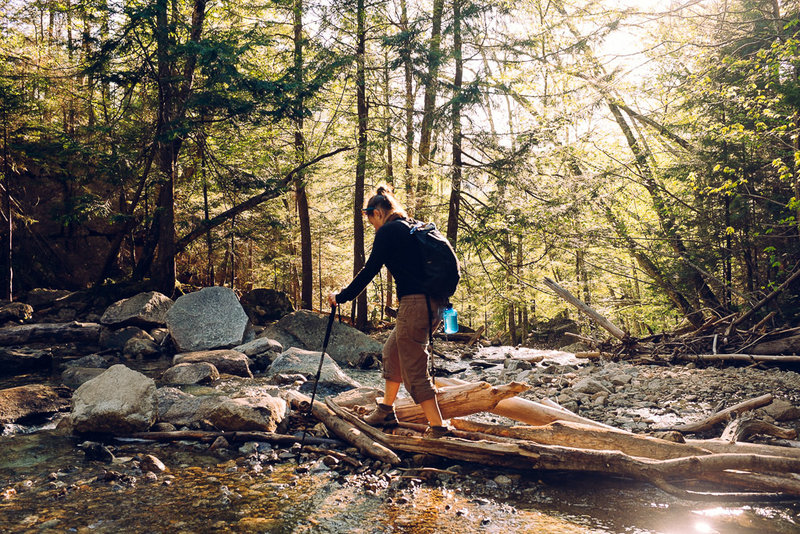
(454,401)
(741,429)
(723,415)
(529,412)
(613,329)
(50,332)
(237,436)
(662,473)
(341,428)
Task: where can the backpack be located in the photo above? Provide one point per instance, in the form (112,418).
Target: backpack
(440,267)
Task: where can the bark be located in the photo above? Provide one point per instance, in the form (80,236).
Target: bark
(724,415)
(343,429)
(360,315)
(50,332)
(455,183)
(408,73)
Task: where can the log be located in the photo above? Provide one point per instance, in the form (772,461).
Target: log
(202,435)
(787,345)
(344,430)
(527,454)
(750,358)
(741,429)
(476,336)
(723,415)
(50,332)
(613,329)
(527,411)
(760,304)
(582,436)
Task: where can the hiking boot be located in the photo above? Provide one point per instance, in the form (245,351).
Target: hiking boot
(437,432)
(382,415)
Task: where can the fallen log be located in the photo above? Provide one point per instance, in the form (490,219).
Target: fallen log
(456,400)
(613,329)
(527,411)
(50,332)
(760,304)
(476,336)
(741,429)
(341,428)
(582,436)
(750,358)
(723,415)
(527,454)
(237,436)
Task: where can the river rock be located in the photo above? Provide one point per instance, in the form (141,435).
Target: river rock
(190,373)
(145,309)
(74,377)
(306,362)
(92,360)
(207,319)
(141,348)
(18,360)
(781,410)
(262,351)
(119,401)
(41,297)
(34,399)
(589,386)
(115,339)
(227,361)
(265,305)
(347,346)
(263,412)
(18,312)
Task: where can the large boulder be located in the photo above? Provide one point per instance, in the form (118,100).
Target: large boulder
(145,309)
(32,400)
(305,362)
(228,361)
(119,401)
(306,330)
(266,305)
(207,319)
(74,377)
(264,412)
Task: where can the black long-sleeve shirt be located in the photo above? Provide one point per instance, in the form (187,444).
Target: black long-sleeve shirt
(395,247)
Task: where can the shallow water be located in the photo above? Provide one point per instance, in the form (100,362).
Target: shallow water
(48,485)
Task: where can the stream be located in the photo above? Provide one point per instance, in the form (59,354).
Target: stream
(49,484)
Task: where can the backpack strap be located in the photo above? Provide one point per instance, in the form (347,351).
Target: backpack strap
(430,333)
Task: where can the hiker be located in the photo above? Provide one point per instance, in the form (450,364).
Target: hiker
(405,353)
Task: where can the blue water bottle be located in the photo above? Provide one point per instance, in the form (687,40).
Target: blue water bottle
(450,317)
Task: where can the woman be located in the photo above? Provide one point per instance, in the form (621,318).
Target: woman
(405,353)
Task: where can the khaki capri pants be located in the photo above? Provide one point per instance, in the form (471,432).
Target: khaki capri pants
(406,353)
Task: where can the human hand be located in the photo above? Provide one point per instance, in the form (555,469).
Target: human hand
(332,299)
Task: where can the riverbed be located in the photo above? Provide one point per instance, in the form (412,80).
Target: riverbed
(49,484)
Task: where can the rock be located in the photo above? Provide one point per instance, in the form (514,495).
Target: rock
(305,362)
(119,401)
(32,400)
(262,351)
(575,347)
(264,412)
(151,464)
(229,361)
(145,309)
(159,334)
(137,348)
(190,373)
(347,344)
(18,312)
(781,410)
(92,360)
(589,386)
(265,305)
(620,379)
(96,451)
(41,297)
(75,377)
(116,339)
(22,359)
(207,319)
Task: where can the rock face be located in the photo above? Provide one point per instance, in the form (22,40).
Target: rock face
(265,305)
(231,362)
(145,309)
(190,373)
(207,319)
(306,363)
(35,399)
(264,412)
(306,330)
(119,401)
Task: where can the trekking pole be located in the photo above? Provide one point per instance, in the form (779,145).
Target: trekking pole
(319,372)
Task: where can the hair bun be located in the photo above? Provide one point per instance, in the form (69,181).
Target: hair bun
(383,189)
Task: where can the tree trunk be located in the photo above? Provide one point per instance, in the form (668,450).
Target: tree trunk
(360,317)
(408,72)
(455,184)
(306,266)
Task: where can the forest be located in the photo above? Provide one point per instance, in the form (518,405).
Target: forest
(643,154)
